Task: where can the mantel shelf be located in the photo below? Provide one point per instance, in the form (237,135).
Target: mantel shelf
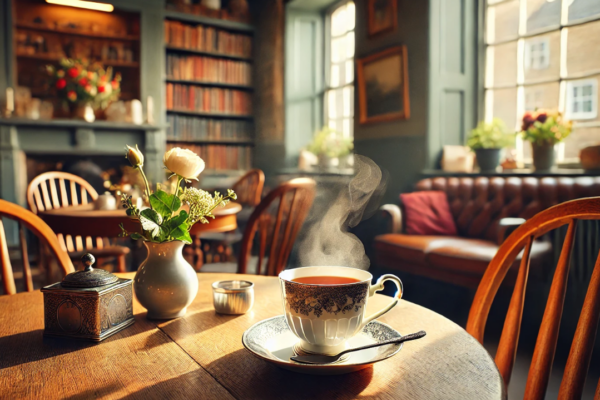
(73,123)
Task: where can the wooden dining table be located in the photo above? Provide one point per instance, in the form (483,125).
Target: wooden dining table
(83,220)
(201,356)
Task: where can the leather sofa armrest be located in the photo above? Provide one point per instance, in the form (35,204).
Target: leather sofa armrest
(506,226)
(393,216)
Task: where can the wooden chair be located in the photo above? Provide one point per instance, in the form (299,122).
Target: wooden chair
(249,187)
(571,387)
(27,219)
(56,189)
(249,190)
(274,225)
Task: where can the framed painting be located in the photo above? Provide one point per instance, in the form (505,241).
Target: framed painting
(382,16)
(383,86)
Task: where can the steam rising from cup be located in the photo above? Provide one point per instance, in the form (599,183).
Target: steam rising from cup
(327,239)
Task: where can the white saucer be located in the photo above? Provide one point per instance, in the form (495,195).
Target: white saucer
(274,342)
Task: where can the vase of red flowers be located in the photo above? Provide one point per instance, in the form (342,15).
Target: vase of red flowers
(544,129)
(83,87)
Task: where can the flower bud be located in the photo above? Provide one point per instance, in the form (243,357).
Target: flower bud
(135,157)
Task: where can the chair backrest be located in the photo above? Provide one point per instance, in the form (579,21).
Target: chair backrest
(56,189)
(567,213)
(277,221)
(249,187)
(31,221)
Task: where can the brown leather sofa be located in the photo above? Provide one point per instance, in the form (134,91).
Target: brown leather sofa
(484,209)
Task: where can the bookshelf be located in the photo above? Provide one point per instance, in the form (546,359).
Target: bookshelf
(208,86)
(45,33)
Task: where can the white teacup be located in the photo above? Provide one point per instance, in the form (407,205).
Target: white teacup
(324,317)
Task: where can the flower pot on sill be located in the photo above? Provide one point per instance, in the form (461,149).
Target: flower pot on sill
(165,283)
(488,159)
(543,156)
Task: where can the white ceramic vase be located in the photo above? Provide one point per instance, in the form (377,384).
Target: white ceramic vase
(165,283)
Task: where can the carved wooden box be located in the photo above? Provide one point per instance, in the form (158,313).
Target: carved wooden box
(90,304)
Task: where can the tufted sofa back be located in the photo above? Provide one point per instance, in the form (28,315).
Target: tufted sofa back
(478,204)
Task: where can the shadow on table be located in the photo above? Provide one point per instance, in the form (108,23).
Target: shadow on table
(94,393)
(247,376)
(191,324)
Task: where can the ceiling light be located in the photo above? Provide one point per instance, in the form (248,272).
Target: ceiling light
(90,5)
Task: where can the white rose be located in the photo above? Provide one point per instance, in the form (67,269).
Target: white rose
(184,163)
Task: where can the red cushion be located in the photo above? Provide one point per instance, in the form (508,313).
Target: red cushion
(428,213)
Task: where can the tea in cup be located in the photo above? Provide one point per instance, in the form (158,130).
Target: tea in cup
(326,306)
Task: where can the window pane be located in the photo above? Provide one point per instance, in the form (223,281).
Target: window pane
(503,22)
(335,75)
(542,14)
(331,104)
(580,9)
(346,127)
(347,95)
(339,21)
(350,15)
(504,65)
(338,50)
(349,75)
(542,57)
(542,96)
(505,106)
(350,45)
(583,49)
(582,99)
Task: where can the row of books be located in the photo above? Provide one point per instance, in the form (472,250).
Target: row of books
(208,69)
(221,157)
(206,38)
(204,99)
(185,128)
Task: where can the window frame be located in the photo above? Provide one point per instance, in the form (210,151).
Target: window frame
(581,83)
(529,63)
(485,112)
(327,65)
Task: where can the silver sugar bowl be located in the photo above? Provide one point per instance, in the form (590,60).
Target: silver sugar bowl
(233,297)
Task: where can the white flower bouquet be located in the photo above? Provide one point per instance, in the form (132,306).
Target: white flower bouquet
(171,216)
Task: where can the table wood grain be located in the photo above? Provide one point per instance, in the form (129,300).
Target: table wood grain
(202,355)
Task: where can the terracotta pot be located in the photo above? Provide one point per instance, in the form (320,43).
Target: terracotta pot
(543,156)
(165,283)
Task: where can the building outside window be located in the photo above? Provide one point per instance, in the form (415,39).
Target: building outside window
(544,54)
(339,69)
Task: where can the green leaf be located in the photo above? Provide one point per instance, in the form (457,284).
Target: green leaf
(150,221)
(164,203)
(136,236)
(177,220)
(182,234)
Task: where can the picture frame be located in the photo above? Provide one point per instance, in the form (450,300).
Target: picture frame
(382,80)
(382,16)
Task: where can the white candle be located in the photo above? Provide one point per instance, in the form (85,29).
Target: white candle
(10,100)
(150,110)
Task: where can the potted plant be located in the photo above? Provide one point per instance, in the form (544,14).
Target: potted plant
(84,87)
(487,140)
(331,147)
(165,282)
(544,129)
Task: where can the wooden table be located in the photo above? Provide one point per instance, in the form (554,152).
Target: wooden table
(201,356)
(84,221)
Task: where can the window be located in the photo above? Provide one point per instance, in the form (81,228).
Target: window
(339,95)
(544,54)
(537,54)
(582,98)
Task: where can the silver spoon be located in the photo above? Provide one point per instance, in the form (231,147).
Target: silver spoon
(323,359)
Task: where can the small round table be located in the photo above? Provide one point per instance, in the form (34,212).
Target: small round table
(84,221)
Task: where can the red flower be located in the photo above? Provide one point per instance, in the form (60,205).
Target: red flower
(61,83)
(83,81)
(101,89)
(542,117)
(115,84)
(72,95)
(73,72)
(528,120)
